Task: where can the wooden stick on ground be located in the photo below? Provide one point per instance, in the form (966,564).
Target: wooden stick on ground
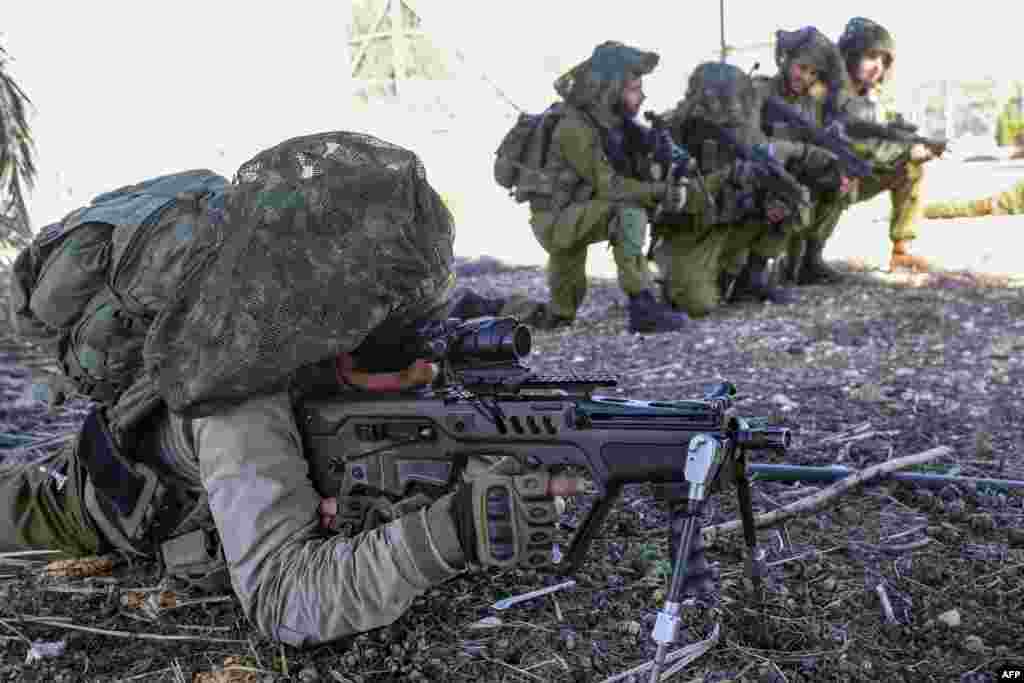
(817,500)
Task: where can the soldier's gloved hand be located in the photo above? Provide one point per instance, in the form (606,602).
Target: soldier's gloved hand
(675,197)
(506,515)
(776,211)
(744,173)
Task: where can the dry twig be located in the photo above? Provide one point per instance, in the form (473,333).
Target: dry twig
(816,501)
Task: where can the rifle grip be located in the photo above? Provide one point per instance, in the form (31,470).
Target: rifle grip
(583,537)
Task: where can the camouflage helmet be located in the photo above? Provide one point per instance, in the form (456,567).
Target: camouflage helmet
(596,83)
(721,93)
(810,46)
(862,35)
(320,240)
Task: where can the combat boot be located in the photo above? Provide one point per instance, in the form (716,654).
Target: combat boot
(903,260)
(814,270)
(792,261)
(646,315)
(756,282)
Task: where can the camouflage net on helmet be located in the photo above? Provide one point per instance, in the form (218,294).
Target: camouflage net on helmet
(321,239)
(596,83)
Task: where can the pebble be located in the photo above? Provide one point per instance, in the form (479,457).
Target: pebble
(309,674)
(974,644)
(950,618)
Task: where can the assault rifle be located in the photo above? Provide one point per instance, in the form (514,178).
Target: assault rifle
(775,110)
(771,175)
(374,450)
(898,131)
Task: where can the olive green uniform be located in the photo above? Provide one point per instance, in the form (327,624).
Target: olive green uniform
(699,252)
(894,172)
(588,198)
(1008,203)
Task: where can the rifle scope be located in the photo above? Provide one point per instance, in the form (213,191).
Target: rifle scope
(482,339)
(497,339)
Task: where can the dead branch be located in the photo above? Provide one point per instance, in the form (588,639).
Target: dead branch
(816,501)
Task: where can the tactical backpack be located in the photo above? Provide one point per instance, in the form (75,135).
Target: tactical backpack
(522,155)
(88,286)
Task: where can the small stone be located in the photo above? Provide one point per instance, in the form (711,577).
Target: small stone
(950,618)
(974,644)
(828,585)
(982,522)
(309,674)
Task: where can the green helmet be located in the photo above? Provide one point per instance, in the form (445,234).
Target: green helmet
(721,93)
(596,84)
(862,35)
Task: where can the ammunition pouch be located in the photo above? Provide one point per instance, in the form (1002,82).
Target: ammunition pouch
(196,558)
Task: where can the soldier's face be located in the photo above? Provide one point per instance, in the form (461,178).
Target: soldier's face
(872,67)
(801,77)
(632,96)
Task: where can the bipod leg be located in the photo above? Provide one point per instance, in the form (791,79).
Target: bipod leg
(756,567)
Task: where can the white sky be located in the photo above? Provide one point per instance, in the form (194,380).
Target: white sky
(127,90)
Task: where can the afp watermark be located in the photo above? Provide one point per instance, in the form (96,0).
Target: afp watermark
(1010,673)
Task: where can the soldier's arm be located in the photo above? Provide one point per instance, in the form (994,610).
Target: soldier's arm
(580,147)
(296,584)
(882,153)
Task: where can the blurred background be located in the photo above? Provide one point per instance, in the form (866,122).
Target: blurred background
(121,92)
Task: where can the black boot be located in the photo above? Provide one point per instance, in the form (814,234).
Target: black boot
(814,270)
(757,282)
(791,265)
(649,316)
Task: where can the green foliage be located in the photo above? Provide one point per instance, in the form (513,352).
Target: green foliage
(17,160)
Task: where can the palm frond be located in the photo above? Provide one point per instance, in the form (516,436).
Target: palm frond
(17,159)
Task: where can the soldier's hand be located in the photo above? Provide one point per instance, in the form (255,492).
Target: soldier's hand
(744,173)
(847,184)
(675,197)
(921,153)
(776,211)
(506,515)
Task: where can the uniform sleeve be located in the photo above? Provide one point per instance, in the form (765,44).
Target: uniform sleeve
(802,158)
(579,146)
(296,584)
(874,150)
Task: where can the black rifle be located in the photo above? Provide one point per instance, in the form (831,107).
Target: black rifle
(898,131)
(775,110)
(375,451)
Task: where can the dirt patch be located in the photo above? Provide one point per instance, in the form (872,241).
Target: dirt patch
(861,372)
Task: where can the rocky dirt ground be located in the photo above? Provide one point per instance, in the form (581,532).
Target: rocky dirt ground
(863,372)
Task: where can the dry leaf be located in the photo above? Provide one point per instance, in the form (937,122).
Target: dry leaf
(81,567)
(231,672)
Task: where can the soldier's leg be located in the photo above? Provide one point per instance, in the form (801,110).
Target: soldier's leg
(42,506)
(755,247)
(905,191)
(691,260)
(824,221)
(566,236)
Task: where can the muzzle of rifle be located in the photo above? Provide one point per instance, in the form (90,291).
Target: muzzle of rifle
(765,438)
